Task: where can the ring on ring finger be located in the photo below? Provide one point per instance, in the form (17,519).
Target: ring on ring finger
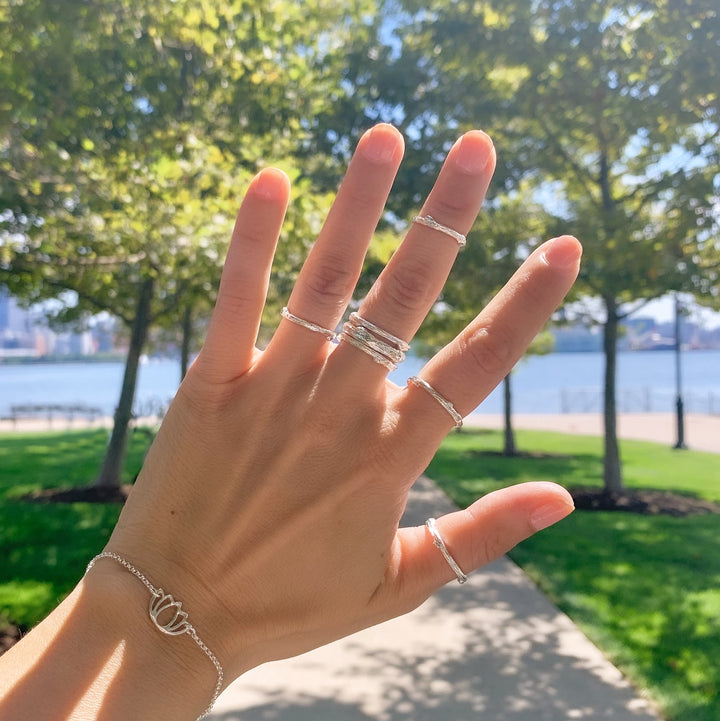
(384,348)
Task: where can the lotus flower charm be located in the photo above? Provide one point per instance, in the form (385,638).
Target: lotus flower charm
(177,623)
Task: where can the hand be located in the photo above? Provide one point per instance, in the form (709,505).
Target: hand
(271,498)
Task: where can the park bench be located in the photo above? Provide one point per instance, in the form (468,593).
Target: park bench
(52,411)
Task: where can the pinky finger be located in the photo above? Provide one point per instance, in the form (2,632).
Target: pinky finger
(230,344)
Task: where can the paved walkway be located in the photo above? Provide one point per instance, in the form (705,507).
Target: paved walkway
(494,649)
(702,432)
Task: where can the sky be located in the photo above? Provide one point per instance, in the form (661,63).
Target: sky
(663,310)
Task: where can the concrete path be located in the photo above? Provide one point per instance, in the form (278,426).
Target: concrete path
(702,432)
(494,649)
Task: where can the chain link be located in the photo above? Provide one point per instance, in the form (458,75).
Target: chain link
(186,626)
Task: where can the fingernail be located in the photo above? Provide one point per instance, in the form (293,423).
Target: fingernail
(380,144)
(562,252)
(550,513)
(474,150)
(270,184)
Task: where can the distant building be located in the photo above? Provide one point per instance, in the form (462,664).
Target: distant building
(577,339)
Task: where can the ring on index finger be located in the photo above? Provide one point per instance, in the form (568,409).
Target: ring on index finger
(444,402)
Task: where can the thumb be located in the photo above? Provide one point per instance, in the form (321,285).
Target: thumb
(474,537)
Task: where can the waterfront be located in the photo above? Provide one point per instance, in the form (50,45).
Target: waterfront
(555,383)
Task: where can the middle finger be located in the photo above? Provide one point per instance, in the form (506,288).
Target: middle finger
(414,277)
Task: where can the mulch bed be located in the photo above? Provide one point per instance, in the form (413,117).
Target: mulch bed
(85,494)
(645,502)
(9,636)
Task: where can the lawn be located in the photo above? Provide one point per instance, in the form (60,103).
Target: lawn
(44,547)
(646,589)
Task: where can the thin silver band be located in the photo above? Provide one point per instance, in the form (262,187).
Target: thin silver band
(430,222)
(178,624)
(377,357)
(444,402)
(440,544)
(384,348)
(329,334)
(379,346)
(357,320)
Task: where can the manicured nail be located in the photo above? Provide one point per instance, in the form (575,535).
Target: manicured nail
(550,513)
(380,144)
(474,150)
(562,252)
(270,184)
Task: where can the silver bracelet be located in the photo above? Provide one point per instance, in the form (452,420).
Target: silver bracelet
(164,603)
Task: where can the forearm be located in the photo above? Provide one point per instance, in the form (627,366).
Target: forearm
(98,656)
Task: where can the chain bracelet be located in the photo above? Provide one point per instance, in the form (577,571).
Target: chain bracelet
(177,624)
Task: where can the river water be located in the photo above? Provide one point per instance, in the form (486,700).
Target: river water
(555,383)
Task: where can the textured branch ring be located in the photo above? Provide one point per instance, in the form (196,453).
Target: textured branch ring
(384,348)
(430,222)
(444,402)
(329,334)
(440,545)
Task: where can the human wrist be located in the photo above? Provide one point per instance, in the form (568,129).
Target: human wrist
(171,676)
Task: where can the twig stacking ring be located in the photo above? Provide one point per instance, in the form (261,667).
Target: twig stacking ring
(440,545)
(384,348)
(444,402)
(430,222)
(329,334)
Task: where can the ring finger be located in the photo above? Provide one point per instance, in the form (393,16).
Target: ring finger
(414,277)
(329,275)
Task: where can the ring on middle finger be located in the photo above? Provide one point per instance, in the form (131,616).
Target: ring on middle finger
(383,347)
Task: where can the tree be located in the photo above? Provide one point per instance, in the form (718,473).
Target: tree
(130,131)
(504,234)
(607,105)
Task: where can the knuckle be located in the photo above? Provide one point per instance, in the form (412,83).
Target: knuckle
(445,209)
(407,288)
(329,280)
(488,350)
(491,548)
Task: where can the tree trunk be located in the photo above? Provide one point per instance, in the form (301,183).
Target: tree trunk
(612,473)
(510,448)
(111,470)
(187,333)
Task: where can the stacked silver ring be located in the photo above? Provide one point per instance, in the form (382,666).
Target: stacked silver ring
(383,347)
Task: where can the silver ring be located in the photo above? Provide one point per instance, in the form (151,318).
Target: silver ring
(379,346)
(329,334)
(444,402)
(377,357)
(440,544)
(384,348)
(430,222)
(357,320)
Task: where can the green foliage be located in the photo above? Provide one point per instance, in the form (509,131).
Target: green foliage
(644,588)
(45,546)
(133,127)
(604,108)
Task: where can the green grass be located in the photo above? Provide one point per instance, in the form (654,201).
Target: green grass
(44,547)
(646,589)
